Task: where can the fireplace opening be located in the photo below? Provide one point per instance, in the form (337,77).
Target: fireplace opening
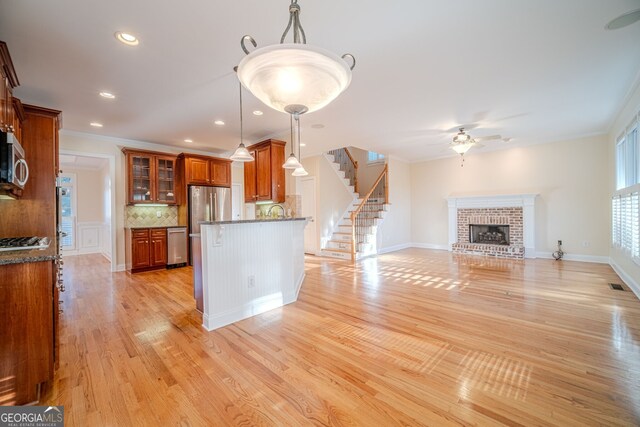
(493,234)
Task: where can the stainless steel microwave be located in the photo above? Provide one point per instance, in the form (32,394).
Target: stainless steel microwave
(13,165)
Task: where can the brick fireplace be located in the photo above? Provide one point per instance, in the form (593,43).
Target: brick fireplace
(503,225)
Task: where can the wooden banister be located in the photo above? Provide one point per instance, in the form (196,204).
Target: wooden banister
(354,215)
(355,167)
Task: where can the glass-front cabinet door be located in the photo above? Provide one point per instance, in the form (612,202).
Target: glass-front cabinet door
(141,178)
(165,168)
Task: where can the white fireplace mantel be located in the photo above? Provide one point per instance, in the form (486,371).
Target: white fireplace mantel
(525,201)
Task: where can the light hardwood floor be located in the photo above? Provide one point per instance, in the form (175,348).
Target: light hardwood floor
(416,337)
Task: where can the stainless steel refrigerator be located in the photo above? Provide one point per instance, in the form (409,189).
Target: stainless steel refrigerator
(205,204)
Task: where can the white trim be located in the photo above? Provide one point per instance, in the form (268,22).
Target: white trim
(598,259)
(249,309)
(120,267)
(628,280)
(431,246)
(394,248)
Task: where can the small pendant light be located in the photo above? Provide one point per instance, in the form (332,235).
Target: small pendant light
(241,154)
(292,162)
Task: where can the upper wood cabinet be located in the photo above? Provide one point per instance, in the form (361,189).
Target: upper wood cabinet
(150,177)
(8,81)
(264,178)
(203,170)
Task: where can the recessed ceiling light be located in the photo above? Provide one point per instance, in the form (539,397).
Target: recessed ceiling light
(219,123)
(96,124)
(302,144)
(258,113)
(107,95)
(188,140)
(318,126)
(126,38)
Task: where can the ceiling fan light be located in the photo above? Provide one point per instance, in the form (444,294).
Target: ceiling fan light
(292,162)
(300,172)
(462,148)
(294,74)
(242,154)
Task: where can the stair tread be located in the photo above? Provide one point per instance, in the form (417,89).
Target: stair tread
(344,251)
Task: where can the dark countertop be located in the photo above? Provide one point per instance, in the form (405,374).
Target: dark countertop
(156,226)
(31,255)
(248,221)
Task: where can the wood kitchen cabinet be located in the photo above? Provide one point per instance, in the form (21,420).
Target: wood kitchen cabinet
(150,177)
(8,81)
(203,170)
(264,178)
(146,249)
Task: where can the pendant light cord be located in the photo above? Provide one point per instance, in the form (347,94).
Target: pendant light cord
(241,124)
(298,124)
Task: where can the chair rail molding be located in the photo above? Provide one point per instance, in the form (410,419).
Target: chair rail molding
(524,201)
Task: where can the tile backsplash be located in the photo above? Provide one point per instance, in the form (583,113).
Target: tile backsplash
(292,203)
(147,216)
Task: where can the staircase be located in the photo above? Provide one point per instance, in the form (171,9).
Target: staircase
(359,224)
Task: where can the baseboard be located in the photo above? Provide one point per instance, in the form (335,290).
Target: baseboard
(576,257)
(250,309)
(628,280)
(121,267)
(106,255)
(394,248)
(430,246)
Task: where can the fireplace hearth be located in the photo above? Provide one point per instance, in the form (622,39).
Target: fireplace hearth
(492,234)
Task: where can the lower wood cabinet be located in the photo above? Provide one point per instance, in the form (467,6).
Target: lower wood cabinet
(27,292)
(146,249)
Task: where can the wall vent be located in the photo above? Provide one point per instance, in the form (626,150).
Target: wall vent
(616,287)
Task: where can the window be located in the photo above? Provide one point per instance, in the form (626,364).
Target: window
(67,201)
(628,158)
(374,158)
(625,204)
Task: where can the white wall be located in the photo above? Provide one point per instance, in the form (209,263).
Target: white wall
(628,270)
(395,231)
(572,178)
(367,174)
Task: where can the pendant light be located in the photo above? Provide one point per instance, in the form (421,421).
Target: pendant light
(292,162)
(241,154)
(294,77)
(300,171)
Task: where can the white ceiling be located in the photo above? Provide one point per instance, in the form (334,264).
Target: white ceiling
(536,71)
(82,162)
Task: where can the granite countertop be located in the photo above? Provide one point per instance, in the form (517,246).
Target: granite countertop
(30,255)
(248,221)
(155,226)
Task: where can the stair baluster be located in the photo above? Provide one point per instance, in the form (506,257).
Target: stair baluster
(362,217)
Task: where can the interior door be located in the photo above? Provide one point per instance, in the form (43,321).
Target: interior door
(308,194)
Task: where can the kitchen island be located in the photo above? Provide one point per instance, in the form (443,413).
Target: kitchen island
(249,267)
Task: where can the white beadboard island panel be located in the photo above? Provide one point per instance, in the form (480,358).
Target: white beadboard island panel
(249,267)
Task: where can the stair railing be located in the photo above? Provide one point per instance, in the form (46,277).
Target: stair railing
(347,164)
(361,218)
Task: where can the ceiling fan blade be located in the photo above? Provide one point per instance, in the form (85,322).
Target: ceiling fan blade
(478,145)
(488,138)
(466,127)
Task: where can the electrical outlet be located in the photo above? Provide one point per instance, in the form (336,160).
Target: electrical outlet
(251,282)
(158,214)
(585,244)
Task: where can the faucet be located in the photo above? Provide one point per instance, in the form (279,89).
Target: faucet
(276,205)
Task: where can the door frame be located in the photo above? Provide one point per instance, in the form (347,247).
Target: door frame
(112,176)
(315,214)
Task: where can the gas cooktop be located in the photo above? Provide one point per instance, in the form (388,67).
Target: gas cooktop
(23,243)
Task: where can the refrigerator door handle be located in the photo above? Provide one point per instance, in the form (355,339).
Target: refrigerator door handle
(212,207)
